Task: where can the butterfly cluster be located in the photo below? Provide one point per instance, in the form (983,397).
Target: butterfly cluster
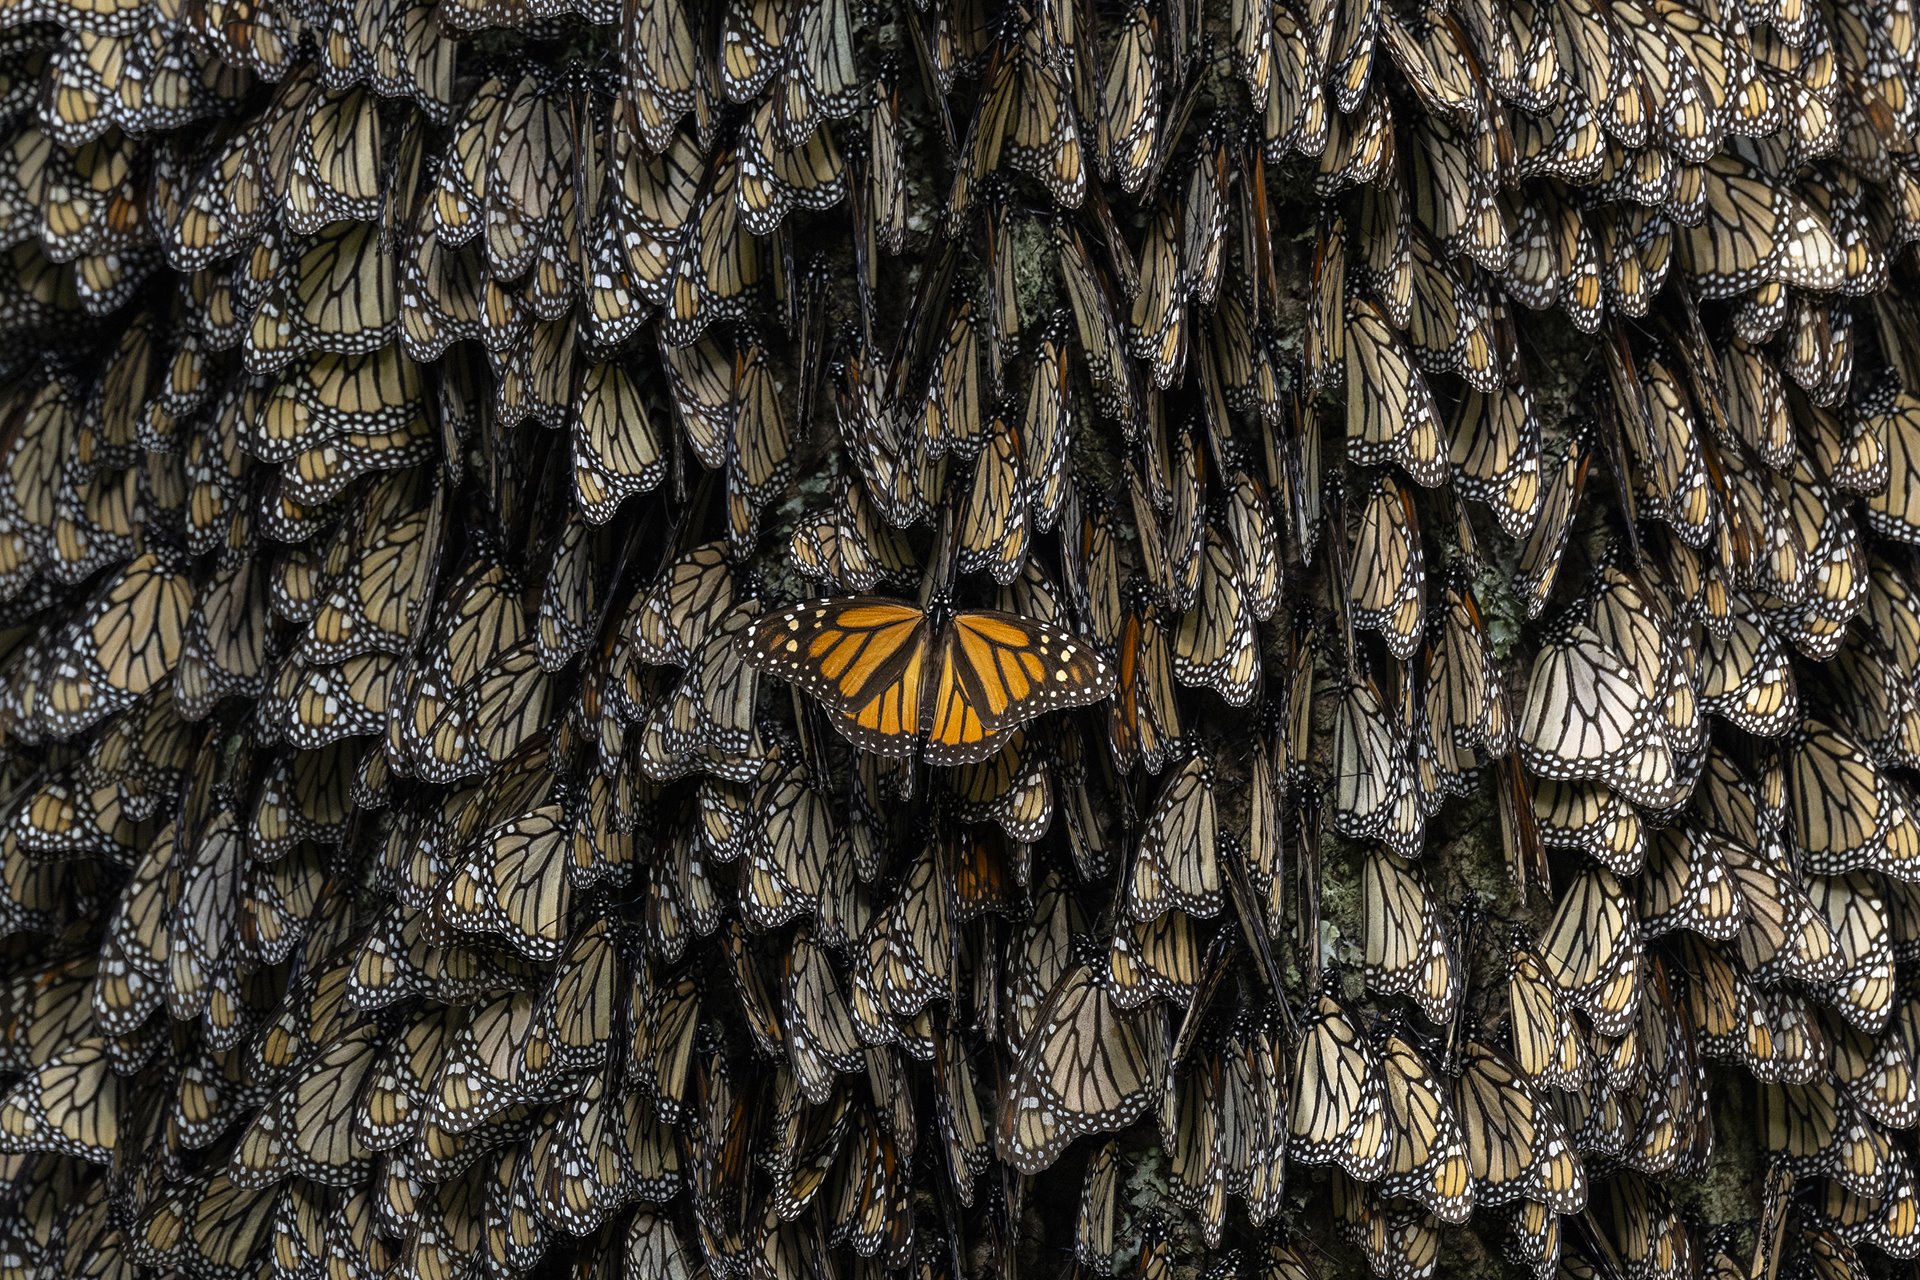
(775,639)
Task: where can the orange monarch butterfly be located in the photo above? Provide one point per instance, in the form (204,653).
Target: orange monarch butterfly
(902,678)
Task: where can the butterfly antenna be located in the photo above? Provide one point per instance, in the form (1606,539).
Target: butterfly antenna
(944,1199)
(677,531)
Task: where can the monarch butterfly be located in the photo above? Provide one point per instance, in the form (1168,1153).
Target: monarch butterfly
(1782,932)
(853,549)
(995,522)
(1877,1073)
(1047,429)
(1556,261)
(1158,325)
(1129,117)
(576,1016)
(776,176)
(961,1120)
(1391,417)
(670,624)
(1173,482)
(1887,1224)
(1101,341)
(336,161)
(909,945)
(716,269)
(1337,1096)
(1429,56)
(1663,1105)
(821,1042)
(1253,532)
(1877,702)
(1517,1148)
(1429,1162)
(1864,991)
(389,1109)
(1154,960)
(1358,148)
(1747,678)
(306,1127)
(1029,111)
(1406,946)
(1592,949)
(1399,1240)
(899,678)
(955,420)
(1203,229)
(1846,813)
(617,450)
(1176,867)
(1588,715)
(1323,352)
(515,883)
(1014,788)
(1687,884)
(1756,231)
(1295,115)
(126,640)
(69,1103)
(1386,589)
(485,1068)
(1217,643)
(1452,325)
(1094,1229)
(899,475)
(1547,1044)
(1465,697)
(1808,1129)
(1197,1175)
(1386,264)
(1082,1070)
(333,291)
(1376,794)
(1496,455)
(1729,1018)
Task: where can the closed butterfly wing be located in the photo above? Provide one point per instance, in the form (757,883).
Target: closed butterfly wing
(1082,1070)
